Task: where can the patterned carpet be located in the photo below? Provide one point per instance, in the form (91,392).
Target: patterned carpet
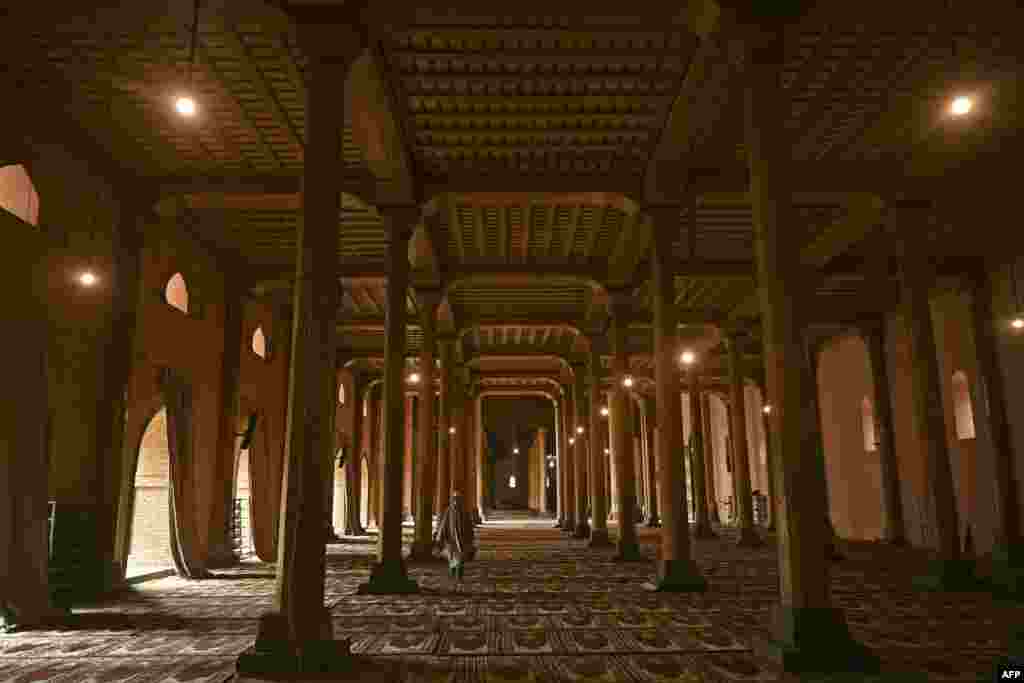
(535,606)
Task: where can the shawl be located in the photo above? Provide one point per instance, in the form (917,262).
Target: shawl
(455,528)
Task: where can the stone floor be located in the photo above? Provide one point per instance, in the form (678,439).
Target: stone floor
(535,606)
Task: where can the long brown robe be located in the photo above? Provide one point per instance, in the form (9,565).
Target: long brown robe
(455,532)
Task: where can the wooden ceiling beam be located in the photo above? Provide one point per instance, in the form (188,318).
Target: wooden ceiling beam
(863,214)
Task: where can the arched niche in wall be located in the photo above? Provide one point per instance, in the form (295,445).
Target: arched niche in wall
(963,411)
(18,194)
(259,343)
(150,544)
(176,293)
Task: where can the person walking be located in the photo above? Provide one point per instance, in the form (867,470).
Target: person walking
(455,533)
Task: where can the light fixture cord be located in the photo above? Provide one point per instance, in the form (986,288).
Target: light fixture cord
(194,41)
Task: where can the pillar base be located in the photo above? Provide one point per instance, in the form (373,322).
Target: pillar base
(817,640)
(582,530)
(1008,571)
(704,532)
(221,557)
(423,553)
(749,538)
(678,576)
(629,552)
(389,578)
(949,575)
(558,524)
(568,526)
(276,656)
(599,538)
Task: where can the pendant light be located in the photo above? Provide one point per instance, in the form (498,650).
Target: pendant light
(185,103)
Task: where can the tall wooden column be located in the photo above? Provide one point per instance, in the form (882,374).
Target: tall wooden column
(426,484)
(559,483)
(580,451)
(628,547)
(445,426)
(769,447)
(389,574)
(950,571)
(710,472)
(676,570)
(598,494)
(353,463)
(873,334)
(809,634)
(697,469)
(1008,554)
(478,469)
(459,405)
(650,420)
(568,428)
(741,457)
(298,632)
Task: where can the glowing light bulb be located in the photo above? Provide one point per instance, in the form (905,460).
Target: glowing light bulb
(414,377)
(607,451)
(451,430)
(88,278)
(688,357)
(185,105)
(604,411)
(767,410)
(627,381)
(961,105)
(571,440)
(1018,324)
(579,430)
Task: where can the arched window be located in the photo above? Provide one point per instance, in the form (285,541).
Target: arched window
(259,343)
(18,194)
(176,293)
(867,417)
(962,409)
(341,394)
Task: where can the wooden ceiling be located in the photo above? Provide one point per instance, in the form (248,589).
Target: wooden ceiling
(534,143)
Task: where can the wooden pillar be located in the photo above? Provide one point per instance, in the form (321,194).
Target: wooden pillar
(580,451)
(353,463)
(426,484)
(569,523)
(676,571)
(297,635)
(697,469)
(628,547)
(486,473)
(1008,553)
(599,537)
(950,571)
(559,468)
(741,457)
(710,470)
(445,426)
(473,488)
(650,472)
(873,334)
(389,573)
(809,634)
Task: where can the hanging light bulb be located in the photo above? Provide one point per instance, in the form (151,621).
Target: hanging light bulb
(572,440)
(1017,324)
(579,430)
(515,451)
(185,104)
(961,105)
(604,411)
(88,278)
(688,357)
(414,378)
(451,430)
(627,381)
(767,410)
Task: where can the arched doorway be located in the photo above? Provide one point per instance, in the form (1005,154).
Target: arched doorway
(340,495)
(241,514)
(149,550)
